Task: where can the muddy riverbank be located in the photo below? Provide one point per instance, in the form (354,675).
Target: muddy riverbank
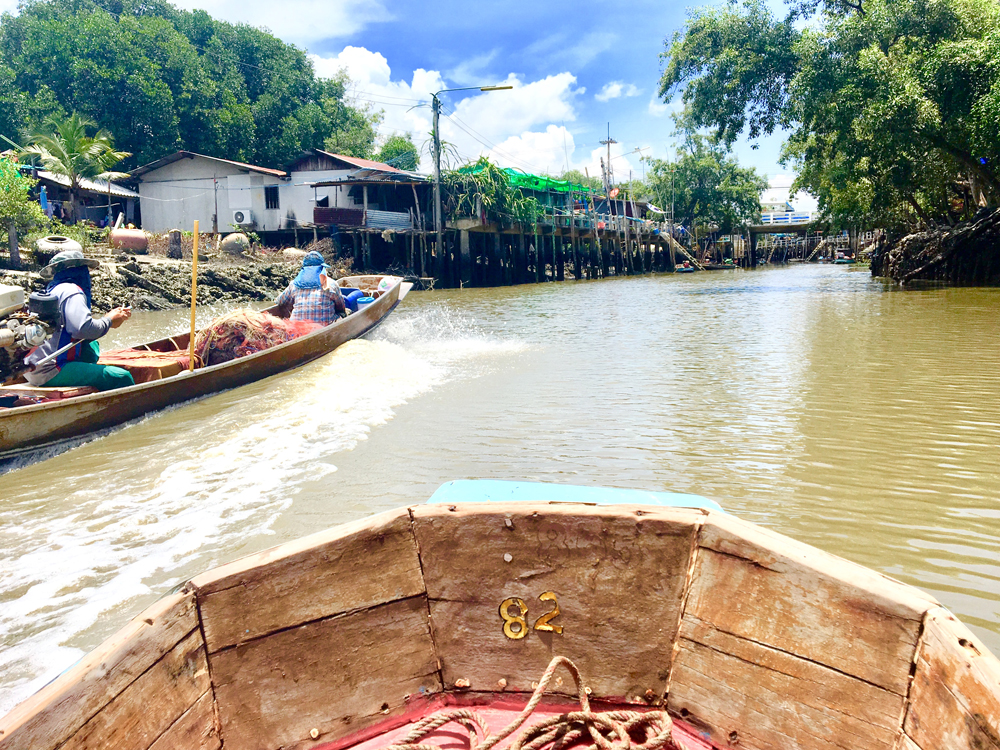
(155,282)
(966,254)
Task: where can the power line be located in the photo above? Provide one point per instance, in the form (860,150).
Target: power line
(483,140)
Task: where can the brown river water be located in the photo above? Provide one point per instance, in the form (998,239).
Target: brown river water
(845,412)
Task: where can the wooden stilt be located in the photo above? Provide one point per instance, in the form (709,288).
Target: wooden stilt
(520,260)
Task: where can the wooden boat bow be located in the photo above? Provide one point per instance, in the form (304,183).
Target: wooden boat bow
(746,637)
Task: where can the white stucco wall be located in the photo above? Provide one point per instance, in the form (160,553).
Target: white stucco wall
(174,195)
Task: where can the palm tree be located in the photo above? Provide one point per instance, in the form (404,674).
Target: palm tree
(64,148)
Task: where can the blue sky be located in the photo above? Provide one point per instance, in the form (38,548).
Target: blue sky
(577,66)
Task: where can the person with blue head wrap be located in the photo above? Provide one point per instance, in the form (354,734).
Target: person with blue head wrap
(69,281)
(311,296)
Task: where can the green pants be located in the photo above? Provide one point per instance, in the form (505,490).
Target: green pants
(86,372)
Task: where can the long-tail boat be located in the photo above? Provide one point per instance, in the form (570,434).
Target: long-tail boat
(67,413)
(691,629)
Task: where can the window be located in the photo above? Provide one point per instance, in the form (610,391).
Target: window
(271,196)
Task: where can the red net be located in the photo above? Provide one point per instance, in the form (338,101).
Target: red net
(242,332)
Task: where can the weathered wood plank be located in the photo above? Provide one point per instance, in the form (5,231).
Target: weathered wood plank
(617,575)
(955,698)
(740,691)
(59,709)
(770,589)
(150,705)
(194,730)
(309,579)
(335,675)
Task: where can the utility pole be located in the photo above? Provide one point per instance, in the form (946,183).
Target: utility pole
(436,106)
(438,224)
(607,169)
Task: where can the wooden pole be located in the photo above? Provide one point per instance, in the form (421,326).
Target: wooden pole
(15,255)
(194,295)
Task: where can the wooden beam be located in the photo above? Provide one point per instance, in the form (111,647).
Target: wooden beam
(57,711)
(311,578)
(335,676)
(598,562)
(138,716)
(955,698)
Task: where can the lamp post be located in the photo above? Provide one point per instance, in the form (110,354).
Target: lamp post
(436,106)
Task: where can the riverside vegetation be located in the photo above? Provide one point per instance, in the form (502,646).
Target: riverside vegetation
(892,109)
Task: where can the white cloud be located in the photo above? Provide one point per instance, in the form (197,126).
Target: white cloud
(659,108)
(297,21)
(547,152)
(515,127)
(616,89)
(568,48)
(472,70)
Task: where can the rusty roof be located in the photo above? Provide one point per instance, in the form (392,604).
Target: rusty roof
(354,161)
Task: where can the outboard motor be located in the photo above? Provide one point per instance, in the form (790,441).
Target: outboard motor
(23,327)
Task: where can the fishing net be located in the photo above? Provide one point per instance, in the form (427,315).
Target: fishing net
(242,332)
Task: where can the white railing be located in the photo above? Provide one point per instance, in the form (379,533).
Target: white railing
(786,217)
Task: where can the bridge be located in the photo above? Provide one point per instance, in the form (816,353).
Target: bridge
(784,222)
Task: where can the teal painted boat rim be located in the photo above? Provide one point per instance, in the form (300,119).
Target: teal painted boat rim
(500,491)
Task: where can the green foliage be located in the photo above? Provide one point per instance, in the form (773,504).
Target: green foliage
(83,233)
(892,106)
(400,152)
(708,186)
(577,177)
(15,200)
(161,79)
(483,186)
(63,147)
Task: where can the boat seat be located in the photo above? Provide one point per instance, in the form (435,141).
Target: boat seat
(147,366)
(27,390)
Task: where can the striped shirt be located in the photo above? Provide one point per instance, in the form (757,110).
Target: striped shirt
(318,305)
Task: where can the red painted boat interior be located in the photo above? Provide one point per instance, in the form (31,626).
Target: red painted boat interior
(497,711)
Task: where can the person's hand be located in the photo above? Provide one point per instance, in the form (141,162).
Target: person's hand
(119,315)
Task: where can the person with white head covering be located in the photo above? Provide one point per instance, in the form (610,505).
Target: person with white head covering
(69,281)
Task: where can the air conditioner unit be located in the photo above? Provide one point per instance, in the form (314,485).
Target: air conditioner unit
(242,217)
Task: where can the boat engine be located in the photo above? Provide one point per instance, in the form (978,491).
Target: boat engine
(23,327)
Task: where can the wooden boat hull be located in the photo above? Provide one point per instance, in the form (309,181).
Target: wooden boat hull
(755,640)
(30,427)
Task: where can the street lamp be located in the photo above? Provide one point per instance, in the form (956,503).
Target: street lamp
(436,104)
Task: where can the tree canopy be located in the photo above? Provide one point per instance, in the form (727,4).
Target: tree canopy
(63,147)
(159,79)
(400,152)
(892,107)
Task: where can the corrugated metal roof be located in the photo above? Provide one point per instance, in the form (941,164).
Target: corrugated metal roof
(95,186)
(146,168)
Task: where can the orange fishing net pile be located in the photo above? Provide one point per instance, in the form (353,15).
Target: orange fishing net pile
(242,332)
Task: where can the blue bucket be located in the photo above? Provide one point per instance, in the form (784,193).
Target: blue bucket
(363,302)
(351,297)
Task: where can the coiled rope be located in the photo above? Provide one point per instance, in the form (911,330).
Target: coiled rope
(611,730)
